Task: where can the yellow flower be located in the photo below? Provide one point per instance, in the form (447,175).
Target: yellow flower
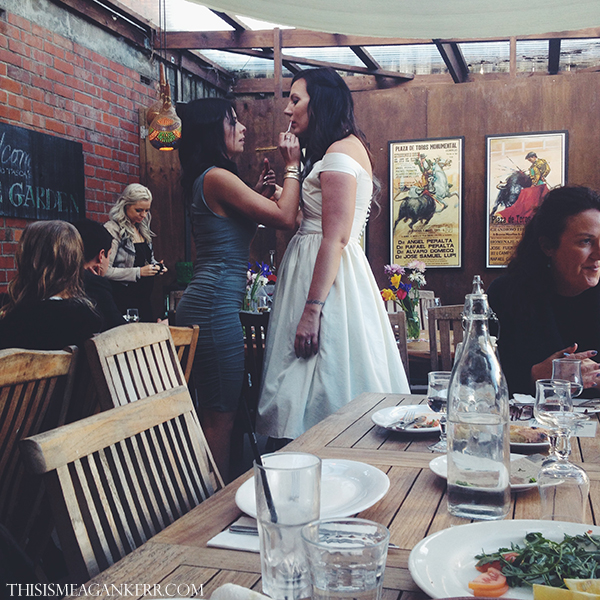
(395,280)
(387,294)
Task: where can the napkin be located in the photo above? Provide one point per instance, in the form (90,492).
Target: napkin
(237,541)
(231,591)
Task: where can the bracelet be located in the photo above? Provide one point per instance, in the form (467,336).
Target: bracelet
(290,175)
(292,169)
(319,302)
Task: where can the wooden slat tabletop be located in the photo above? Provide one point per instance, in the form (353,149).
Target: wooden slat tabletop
(414,507)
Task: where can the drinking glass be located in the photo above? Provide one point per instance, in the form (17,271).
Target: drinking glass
(288,496)
(552,400)
(569,369)
(132,316)
(437,398)
(563,486)
(346,558)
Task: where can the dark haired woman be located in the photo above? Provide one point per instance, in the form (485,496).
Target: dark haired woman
(329,334)
(47,308)
(548,303)
(224,212)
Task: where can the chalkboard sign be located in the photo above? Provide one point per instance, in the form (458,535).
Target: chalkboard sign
(41,176)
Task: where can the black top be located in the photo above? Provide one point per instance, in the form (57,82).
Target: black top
(49,325)
(527,338)
(99,290)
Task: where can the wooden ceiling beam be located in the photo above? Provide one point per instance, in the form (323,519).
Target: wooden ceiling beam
(231,21)
(301,38)
(320,63)
(553,56)
(454,59)
(366,58)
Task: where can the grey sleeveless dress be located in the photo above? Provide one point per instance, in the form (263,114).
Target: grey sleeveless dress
(213,300)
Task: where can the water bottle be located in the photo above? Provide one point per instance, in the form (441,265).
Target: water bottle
(478,421)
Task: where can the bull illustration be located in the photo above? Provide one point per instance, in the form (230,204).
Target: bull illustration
(509,190)
(416,207)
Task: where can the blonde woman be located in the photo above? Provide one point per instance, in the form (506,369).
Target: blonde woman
(47,308)
(132,265)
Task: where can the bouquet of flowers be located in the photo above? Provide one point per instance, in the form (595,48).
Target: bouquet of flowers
(256,278)
(406,293)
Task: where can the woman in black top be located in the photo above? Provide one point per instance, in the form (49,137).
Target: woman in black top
(47,308)
(548,303)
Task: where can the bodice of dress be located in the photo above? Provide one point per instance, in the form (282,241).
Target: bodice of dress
(219,240)
(312,198)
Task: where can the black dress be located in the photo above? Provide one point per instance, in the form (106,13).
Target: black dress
(137,294)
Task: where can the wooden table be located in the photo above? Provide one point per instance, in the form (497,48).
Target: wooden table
(414,507)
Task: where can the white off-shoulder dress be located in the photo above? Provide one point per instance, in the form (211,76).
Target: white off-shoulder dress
(357,350)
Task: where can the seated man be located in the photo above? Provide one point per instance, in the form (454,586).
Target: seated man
(96,248)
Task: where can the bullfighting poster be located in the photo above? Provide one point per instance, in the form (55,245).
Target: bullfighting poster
(521,169)
(426,180)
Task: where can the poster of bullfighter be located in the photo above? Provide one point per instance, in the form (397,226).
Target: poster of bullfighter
(521,169)
(426,181)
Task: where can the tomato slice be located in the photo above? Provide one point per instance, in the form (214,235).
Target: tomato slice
(482,593)
(488,583)
(496,564)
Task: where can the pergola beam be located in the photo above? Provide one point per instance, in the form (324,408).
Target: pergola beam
(366,58)
(231,21)
(553,56)
(454,59)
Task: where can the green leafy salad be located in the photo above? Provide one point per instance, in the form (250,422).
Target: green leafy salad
(546,562)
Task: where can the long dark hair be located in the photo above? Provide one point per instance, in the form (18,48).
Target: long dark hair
(330,112)
(528,269)
(203,139)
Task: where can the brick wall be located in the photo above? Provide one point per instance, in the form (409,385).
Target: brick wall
(56,86)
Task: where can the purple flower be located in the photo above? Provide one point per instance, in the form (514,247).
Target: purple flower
(390,270)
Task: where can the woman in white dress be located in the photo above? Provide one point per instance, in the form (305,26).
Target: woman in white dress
(329,334)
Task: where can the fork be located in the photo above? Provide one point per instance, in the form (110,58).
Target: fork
(408,418)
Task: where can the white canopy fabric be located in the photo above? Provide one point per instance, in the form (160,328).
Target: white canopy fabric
(422,19)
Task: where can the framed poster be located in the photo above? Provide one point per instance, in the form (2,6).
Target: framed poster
(521,169)
(426,181)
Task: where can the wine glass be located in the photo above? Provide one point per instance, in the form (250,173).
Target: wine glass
(569,369)
(437,399)
(563,486)
(133,315)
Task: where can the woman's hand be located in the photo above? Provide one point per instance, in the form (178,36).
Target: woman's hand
(265,185)
(150,270)
(590,370)
(289,148)
(307,334)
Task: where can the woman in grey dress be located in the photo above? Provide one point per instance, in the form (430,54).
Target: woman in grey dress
(224,212)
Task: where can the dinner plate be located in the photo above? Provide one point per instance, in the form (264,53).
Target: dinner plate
(387,416)
(443,563)
(347,487)
(439,465)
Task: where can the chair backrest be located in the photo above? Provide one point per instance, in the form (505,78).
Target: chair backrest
(133,361)
(426,301)
(445,331)
(35,390)
(185,340)
(117,478)
(254,326)
(398,323)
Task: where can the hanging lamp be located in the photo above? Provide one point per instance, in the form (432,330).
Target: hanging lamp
(164,126)
(164,132)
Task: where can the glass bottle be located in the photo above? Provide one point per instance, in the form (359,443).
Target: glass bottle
(478,421)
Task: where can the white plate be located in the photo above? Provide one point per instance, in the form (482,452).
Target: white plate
(443,563)
(439,465)
(386,416)
(347,487)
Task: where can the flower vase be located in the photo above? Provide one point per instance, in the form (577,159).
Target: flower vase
(413,326)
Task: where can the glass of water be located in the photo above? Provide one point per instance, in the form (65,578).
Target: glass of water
(133,315)
(346,558)
(569,369)
(437,399)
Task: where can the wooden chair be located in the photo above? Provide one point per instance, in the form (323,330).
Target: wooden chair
(117,478)
(398,323)
(442,321)
(133,361)
(185,340)
(35,390)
